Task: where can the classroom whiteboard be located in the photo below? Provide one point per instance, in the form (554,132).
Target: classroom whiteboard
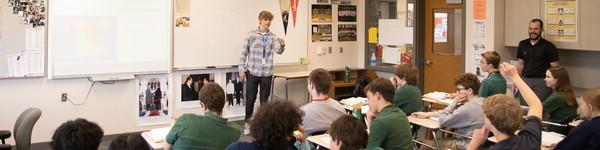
(91,37)
(218,27)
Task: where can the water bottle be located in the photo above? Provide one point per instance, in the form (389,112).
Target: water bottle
(357,112)
(373,59)
(346,74)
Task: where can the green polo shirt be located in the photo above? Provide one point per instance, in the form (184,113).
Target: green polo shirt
(209,132)
(390,130)
(408,99)
(557,109)
(492,85)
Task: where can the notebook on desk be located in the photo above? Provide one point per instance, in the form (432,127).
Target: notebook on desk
(159,134)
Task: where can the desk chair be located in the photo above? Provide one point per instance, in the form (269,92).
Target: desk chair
(23,129)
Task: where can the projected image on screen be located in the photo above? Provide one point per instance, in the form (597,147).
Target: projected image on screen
(88,37)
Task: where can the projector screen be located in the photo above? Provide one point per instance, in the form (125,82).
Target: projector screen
(90,37)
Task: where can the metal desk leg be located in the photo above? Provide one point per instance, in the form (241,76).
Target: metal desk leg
(286,89)
(437,144)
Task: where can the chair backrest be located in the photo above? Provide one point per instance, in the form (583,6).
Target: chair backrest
(24,127)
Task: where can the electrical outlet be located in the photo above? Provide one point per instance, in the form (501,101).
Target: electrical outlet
(63,97)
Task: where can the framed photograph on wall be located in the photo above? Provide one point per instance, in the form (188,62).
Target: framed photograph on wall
(321,13)
(153,99)
(190,83)
(347,13)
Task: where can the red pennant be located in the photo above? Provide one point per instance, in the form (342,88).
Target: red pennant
(294,4)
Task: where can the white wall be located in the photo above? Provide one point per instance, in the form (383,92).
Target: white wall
(114,106)
(12,35)
(494,38)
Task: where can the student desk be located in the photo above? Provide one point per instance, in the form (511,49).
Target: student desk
(321,140)
(430,102)
(155,145)
(575,123)
(287,76)
(427,123)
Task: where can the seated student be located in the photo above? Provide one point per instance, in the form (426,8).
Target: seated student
(78,134)
(587,134)
(130,141)
(389,127)
(494,83)
(348,133)
(561,106)
(210,131)
(408,95)
(322,111)
(464,113)
(503,117)
(274,127)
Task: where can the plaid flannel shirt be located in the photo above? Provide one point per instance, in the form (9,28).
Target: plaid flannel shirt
(259,46)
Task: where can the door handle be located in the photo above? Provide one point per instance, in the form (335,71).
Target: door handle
(428,62)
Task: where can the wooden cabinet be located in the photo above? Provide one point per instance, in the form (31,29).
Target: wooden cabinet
(590,24)
(517,15)
(341,89)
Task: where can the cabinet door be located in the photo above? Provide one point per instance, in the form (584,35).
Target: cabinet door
(590,22)
(518,13)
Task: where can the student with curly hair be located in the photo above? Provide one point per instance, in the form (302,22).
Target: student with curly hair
(276,126)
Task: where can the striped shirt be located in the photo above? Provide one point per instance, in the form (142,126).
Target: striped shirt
(259,46)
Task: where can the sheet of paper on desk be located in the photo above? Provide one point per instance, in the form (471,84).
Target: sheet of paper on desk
(158,135)
(447,101)
(436,95)
(354,100)
(434,119)
(551,138)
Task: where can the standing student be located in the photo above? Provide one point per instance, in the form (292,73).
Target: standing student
(210,131)
(561,106)
(535,55)
(408,95)
(494,83)
(587,134)
(503,118)
(322,110)
(389,127)
(464,113)
(348,133)
(256,61)
(277,126)
(79,134)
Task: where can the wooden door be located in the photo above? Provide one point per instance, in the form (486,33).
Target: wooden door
(444,45)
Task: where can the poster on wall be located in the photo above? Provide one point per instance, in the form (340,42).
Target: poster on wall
(561,18)
(235,102)
(323,1)
(347,13)
(479,9)
(440,32)
(321,33)
(182,13)
(321,13)
(190,88)
(347,32)
(410,14)
(153,100)
(284,6)
(479,46)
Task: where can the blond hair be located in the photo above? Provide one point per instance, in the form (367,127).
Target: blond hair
(503,112)
(265,15)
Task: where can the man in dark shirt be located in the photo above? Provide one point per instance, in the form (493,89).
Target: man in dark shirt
(535,55)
